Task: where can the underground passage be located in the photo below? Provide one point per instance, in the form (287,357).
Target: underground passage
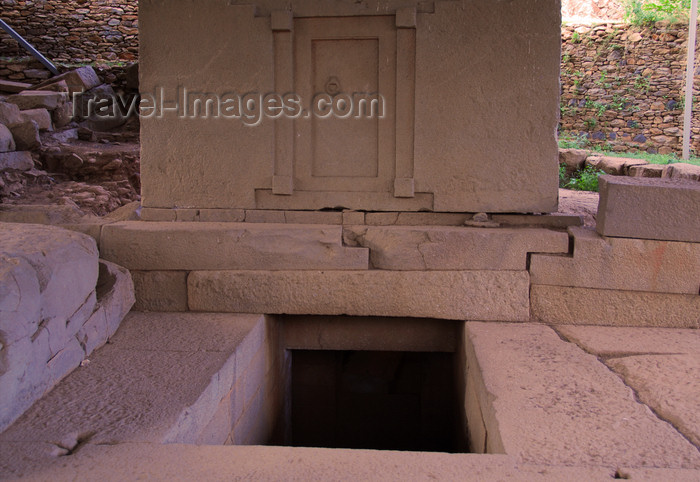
(373,400)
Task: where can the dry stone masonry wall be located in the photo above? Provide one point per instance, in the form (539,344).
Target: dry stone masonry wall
(622,86)
(78,31)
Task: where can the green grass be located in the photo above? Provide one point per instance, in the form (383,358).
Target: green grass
(583,180)
(653,158)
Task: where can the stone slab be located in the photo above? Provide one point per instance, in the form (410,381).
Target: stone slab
(7,142)
(664,209)
(559,305)
(458,295)
(617,166)
(669,384)
(369,333)
(206,246)
(26,135)
(13,87)
(130,461)
(681,170)
(42,117)
(546,401)
(621,264)
(156,370)
(445,248)
(609,341)
(78,80)
(19,160)
(646,170)
(9,114)
(160,290)
(573,159)
(30,99)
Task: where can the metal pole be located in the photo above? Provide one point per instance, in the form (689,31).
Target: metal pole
(689,75)
(46,62)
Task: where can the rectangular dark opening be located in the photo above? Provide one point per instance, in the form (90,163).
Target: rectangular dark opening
(387,400)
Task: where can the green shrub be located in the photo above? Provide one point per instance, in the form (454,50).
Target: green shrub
(646,12)
(584,180)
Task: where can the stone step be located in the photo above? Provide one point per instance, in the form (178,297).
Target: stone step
(546,401)
(207,246)
(453,248)
(162,378)
(626,264)
(455,295)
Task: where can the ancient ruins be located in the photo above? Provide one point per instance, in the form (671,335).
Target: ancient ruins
(341,268)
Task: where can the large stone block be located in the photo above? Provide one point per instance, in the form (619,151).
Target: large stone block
(206,246)
(30,99)
(664,209)
(7,142)
(557,305)
(445,248)
(621,264)
(78,80)
(669,384)
(42,117)
(360,164)
(458,295)
(610,341)
(546,401)
(160,290)
(681,170)
(26,135)
(9,114)
(19,160)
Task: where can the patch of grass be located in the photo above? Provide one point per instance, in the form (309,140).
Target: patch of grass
(583,180)
(655,158)
(569,140)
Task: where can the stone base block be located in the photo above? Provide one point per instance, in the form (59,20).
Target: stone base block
(648,208)
(458,295)
(206,246)
(546,401)
(446,248)
(621,264)
(160,290)
(558,305)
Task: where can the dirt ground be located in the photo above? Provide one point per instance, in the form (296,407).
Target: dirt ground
(583,203)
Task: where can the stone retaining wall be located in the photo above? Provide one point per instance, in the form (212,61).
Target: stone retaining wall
(622,86)
(80,31)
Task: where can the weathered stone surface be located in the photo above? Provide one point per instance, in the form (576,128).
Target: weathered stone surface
(669,384)
(42,117)
(62,115)
(26,135)
(445,248)
(681,170)
(198,462)
(37,99)
(202,246)
(10,114)
(370,333)
(326,167)
(458,295)
(648,170)
(61,258)
(78,80)
(546,401)
(621,264)
(160,290)
(609,341)
(616,166)
(559,305)
(47,291)
(7,142)
(573,159)
(154,360)
(20,160)
(664,209)
(40,213)
(13,87)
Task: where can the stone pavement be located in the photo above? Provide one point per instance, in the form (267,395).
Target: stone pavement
(564,402)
